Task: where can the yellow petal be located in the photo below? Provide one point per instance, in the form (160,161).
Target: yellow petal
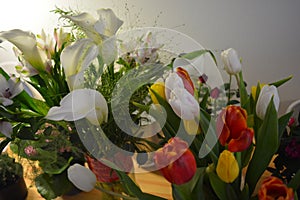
(159,88)
(227,167)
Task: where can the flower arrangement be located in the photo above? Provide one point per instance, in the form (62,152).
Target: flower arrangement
(76,99)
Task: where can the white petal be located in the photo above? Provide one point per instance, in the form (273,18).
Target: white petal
(184,104)
(5,101)
(6,129)
(82,177)
(264,98)
(15,87)
(78,56)
(109,50)
(108,23)
(172,81)
(3,84)
(86,22)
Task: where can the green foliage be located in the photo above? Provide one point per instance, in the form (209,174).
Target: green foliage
(10,170)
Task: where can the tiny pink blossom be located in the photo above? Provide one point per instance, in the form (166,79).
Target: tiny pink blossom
(30,151)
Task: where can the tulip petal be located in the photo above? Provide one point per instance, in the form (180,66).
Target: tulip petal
(242,142)
(172,81)
(82,177)
(227,167)
(264,98)
(231,61)
(184,104)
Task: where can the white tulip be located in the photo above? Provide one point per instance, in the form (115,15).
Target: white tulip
(264,98)
(79,104)
(231,61)
(82,177)
(182,102)
(27,44)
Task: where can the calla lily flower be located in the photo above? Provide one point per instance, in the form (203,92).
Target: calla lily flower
(75,59)
(6,128)
(27,44)
(8,90)
(79,104)
(82,177)
(264,98)
(98,30)
(231,61)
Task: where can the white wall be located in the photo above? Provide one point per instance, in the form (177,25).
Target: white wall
(266,33)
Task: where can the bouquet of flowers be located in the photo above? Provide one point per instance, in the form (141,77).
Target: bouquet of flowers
(212,150)
(56,101)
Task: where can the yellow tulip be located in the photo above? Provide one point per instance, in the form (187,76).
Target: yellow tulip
(254,89)
(159,88)
(227,167)
(191,127)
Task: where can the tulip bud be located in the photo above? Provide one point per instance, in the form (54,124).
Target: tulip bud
(231,61)
(264,98)
(227,167)
(176,162)
(159,88)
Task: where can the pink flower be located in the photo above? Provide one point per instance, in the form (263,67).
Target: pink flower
(30,151)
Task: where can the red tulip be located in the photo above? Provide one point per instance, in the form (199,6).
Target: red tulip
(273,188)
(187,82)
(232,129)
(176,162)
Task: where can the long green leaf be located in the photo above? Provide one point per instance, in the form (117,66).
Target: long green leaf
(281,82)
(266,145)
(195,54)
(282,123)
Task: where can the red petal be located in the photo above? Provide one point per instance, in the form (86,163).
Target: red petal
(242,142)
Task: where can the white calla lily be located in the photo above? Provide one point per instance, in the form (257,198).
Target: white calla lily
(79,104)
(108,23)
(27,44)
(8,90)
(82,177)
(231,61)
(264,98)
(6,128)
(75,59)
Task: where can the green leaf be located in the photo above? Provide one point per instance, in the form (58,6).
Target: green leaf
(245,101)
(51,187)
(188,190)
(223,190)
(203,103)
(295,183)
(195,54)
(266,145)
(281,82)
(282,123)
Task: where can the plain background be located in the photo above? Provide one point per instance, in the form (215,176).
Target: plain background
(266,33)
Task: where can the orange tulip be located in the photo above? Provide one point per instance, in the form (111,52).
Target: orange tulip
(176,162)
(232,129)
(274,188)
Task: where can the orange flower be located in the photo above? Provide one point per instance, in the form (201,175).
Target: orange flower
(273,188)
(176,162)
(232,129)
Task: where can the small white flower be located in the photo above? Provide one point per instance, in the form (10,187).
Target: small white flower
(231,61)
(264,98)
(79,104)
(82,177)
(8,90)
